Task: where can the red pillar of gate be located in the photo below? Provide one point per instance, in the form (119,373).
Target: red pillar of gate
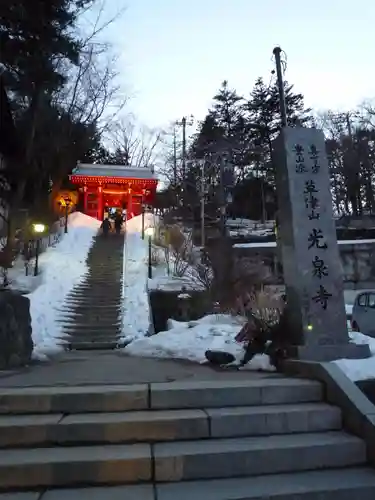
(129,212)
(100,203)
(85,196)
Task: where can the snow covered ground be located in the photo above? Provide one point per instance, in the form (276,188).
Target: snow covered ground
(190,340)
(136,311)
(61,268)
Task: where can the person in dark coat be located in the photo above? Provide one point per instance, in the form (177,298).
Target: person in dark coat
(118,223)
(106,227)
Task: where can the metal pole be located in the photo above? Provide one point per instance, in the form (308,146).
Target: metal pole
(222,199)
(183,147)
(174,157)
(280,84)
(143,220)
(263,202)
(203,239)
(36,268)
(149,258)
(66,219)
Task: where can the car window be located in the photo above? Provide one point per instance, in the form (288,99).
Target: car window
(371,300)
(361,300)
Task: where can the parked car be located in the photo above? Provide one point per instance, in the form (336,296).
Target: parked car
(363,314)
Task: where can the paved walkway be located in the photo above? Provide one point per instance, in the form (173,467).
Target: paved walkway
(112,367)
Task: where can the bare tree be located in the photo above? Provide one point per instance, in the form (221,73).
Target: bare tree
(138,144)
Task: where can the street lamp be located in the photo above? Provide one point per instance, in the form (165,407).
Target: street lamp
(38,230)
(149,232)
(143,219)
(67,205)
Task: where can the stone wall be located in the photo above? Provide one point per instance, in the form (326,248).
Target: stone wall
(358,262)
(16,343)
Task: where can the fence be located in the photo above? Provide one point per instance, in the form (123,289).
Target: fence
(26,248)
(29,248)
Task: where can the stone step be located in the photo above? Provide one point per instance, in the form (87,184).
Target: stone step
(104,322)
(202,394)
(76,337)
(98,290)
(100,282)
(95,330)
(165,425)
(251,456)
(128,492)
(177,461)
(99,325)
(95,293)
(95,297)
(81,345)
(71,466)
(215,394)
(74,399)
(88,301)
(336,484)
(87,318)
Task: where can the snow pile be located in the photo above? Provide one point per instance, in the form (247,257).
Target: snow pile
(359,369)
(190,340)
(136,311)
(61,269)
(134,225)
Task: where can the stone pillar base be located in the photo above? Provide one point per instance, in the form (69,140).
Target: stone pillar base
(329,352)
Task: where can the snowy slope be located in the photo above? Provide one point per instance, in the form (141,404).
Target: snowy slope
(61,269)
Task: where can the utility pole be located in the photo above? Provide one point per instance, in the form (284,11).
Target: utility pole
(203,193)
(280,84)
(174,157)
(183,121)
(222,199)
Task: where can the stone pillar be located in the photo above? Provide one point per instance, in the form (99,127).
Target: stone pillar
(309,250)
(100,203)
(85,198)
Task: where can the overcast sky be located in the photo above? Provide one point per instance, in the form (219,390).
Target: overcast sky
(176,53)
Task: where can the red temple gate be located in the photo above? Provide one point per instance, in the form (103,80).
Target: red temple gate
(114,186)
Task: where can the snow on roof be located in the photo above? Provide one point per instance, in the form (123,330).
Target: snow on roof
(122,171)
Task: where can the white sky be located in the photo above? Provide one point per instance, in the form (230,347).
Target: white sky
(175,54)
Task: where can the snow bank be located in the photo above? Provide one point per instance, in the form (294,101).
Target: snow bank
(134,225)
(190,340)
(61,269)
(136,311)
(359,369)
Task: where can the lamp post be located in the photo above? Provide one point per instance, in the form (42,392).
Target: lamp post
(149,232)
(67,205)
(38,231)
(143,219)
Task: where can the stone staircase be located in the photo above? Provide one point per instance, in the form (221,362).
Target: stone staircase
(238,439)
(91,315)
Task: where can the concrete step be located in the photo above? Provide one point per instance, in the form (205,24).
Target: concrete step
(165,425)
(173,395)
(215,394)
(96,291)
(128,492)
(78,337)
(80,345)
(100,325)
(71,466)
(89,301)
(72,400)
(252,456)
(85,319)
(337,484)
